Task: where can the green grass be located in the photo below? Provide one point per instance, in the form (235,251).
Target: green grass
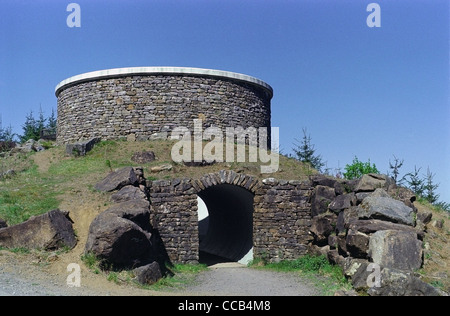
(27,195)
(327,277)
(183,274)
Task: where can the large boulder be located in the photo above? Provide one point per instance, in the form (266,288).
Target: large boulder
(322,226)
(357,244)
(148,274)
(387,209)
(121,236)
(371,226)
(371,182)
(117,180)
(342,202)
(143,157)
(394,282)
(396,249)
(128,193)
(321,199)
(81,148)
(50,231)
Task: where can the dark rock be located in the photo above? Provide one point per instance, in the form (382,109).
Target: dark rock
(360,196)
(342,202)
(424,217)
(371,226)
(396,282)
(335,258)
(350,185)
(202,163)
(81,148)
(342,245)
(117,180)
(321,199)
(401,193)
(323,180)
(357,244)
(380,193)
(50,231)
(3,223)
(322,226)
(120,236)
(349,215)
(387,209)
(371,182)
(143,157)
(332,242)
(128,193)
(340,223)
(148,274)
(396,249)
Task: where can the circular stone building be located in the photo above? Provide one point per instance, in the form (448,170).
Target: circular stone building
(148,102)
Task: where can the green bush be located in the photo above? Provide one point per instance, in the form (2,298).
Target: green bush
(358,168)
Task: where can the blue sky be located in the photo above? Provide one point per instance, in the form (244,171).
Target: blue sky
(360,91)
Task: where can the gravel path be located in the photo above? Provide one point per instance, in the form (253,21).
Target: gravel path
(19,278)
(224,280)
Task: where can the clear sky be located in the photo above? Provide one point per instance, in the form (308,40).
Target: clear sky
(359,91)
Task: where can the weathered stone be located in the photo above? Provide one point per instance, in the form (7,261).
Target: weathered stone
(346,293)
(438,224)
(321,199)
(81,148)
(117,180)
(120,236)
(342,202)
(27,147)
(371,226)
(8,174)
(371,181)
(424,217)
(335,258)
(143,157)
(164,167)
(357,244)
(50,231)
(202,163)
(360,196)
(148,274)
(387,209)
(3,223)
(342,245)
(128,193)
(322,226)
(401,193)
(396,282)
(396,249)
(380,193)
(323,180)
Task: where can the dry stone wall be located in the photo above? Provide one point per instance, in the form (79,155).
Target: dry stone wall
(142,106)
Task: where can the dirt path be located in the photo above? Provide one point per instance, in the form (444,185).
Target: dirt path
(234,279)
(20,277)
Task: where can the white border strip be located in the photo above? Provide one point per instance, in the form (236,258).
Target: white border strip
(121,72)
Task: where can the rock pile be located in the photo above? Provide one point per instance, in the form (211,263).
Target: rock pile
(371,228)
(122,236)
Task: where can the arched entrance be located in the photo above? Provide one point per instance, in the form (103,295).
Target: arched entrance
(226,226)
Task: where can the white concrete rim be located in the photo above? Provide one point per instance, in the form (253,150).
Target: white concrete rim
(136,71)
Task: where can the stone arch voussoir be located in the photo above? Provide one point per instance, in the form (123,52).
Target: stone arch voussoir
(247,182)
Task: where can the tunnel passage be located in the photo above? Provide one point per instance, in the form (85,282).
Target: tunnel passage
(227,231)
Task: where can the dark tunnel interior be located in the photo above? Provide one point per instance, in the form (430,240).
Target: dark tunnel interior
(228,230)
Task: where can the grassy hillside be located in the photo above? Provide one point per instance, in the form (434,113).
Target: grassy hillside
(51,179)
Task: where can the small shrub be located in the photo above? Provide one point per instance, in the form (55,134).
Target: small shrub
(358,168)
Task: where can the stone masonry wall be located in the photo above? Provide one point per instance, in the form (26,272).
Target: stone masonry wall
(139,106)
(281,219)
(174,215)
